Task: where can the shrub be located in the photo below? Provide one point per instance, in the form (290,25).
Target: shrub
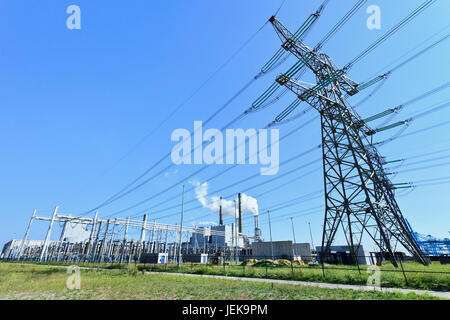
(249,262)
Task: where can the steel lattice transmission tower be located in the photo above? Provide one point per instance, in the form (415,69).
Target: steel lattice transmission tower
(359,198)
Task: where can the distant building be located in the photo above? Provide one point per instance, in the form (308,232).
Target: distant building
(206,237)
(281,250)
(12,247)
(342,255)
(381,256)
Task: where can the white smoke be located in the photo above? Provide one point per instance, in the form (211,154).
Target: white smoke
(194,223)
(248,204)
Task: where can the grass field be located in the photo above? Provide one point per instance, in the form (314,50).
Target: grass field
(19,281)
(434,277)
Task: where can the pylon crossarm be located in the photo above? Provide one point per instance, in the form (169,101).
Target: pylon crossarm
(305,93)
(316,62)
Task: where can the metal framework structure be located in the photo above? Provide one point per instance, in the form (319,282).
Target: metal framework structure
(109,240)
(431,246)
(359,198)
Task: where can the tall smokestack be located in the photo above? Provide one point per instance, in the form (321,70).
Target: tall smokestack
(220,213)
(240,213)
(257,230)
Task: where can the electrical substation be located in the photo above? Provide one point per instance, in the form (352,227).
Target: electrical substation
(359,197)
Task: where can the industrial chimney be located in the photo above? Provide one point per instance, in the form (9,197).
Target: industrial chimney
(240,213)
(220,213)
(258,233)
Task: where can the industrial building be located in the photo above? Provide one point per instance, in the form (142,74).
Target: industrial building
(282,250)
(225,236)
(436,249)
(343,255)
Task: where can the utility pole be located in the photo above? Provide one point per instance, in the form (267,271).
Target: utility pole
(94,252)
(204,239)
(293,233)
(111,242)
(310,234)
(125,236)
(102,250)
(181,227)
(47,238)
(175,243)
(25,237)
(270,230)
(143,230)
(188,243)
(152,248)
(195,235)
(158,240)
(165,241)
(91,236)
(236,228)
(233,233)
(143,235)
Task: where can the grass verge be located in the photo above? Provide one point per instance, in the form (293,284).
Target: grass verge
(19,281)
(435,277)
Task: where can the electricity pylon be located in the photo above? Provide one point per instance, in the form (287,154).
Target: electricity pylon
(359,197)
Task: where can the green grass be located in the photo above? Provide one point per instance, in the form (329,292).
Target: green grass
(390,276)
(19,281)
(416,274)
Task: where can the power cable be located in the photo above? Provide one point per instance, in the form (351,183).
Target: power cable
(391,32)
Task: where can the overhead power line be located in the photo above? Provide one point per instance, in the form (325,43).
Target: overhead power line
(125,191)
(391,32)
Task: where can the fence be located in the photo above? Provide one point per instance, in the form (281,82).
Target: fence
(436,276)
(408,274)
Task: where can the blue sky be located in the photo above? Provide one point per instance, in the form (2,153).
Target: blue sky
(75,102)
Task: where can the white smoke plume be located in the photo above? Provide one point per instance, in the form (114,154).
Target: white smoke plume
(203,223)
(249,204)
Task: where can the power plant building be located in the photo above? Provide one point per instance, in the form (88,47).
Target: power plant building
(343,255)
(281,250)
(226,238)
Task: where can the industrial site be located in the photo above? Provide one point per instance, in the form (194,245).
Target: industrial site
(335,206)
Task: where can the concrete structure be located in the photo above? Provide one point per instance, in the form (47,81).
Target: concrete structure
(342,255)
(281,250)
